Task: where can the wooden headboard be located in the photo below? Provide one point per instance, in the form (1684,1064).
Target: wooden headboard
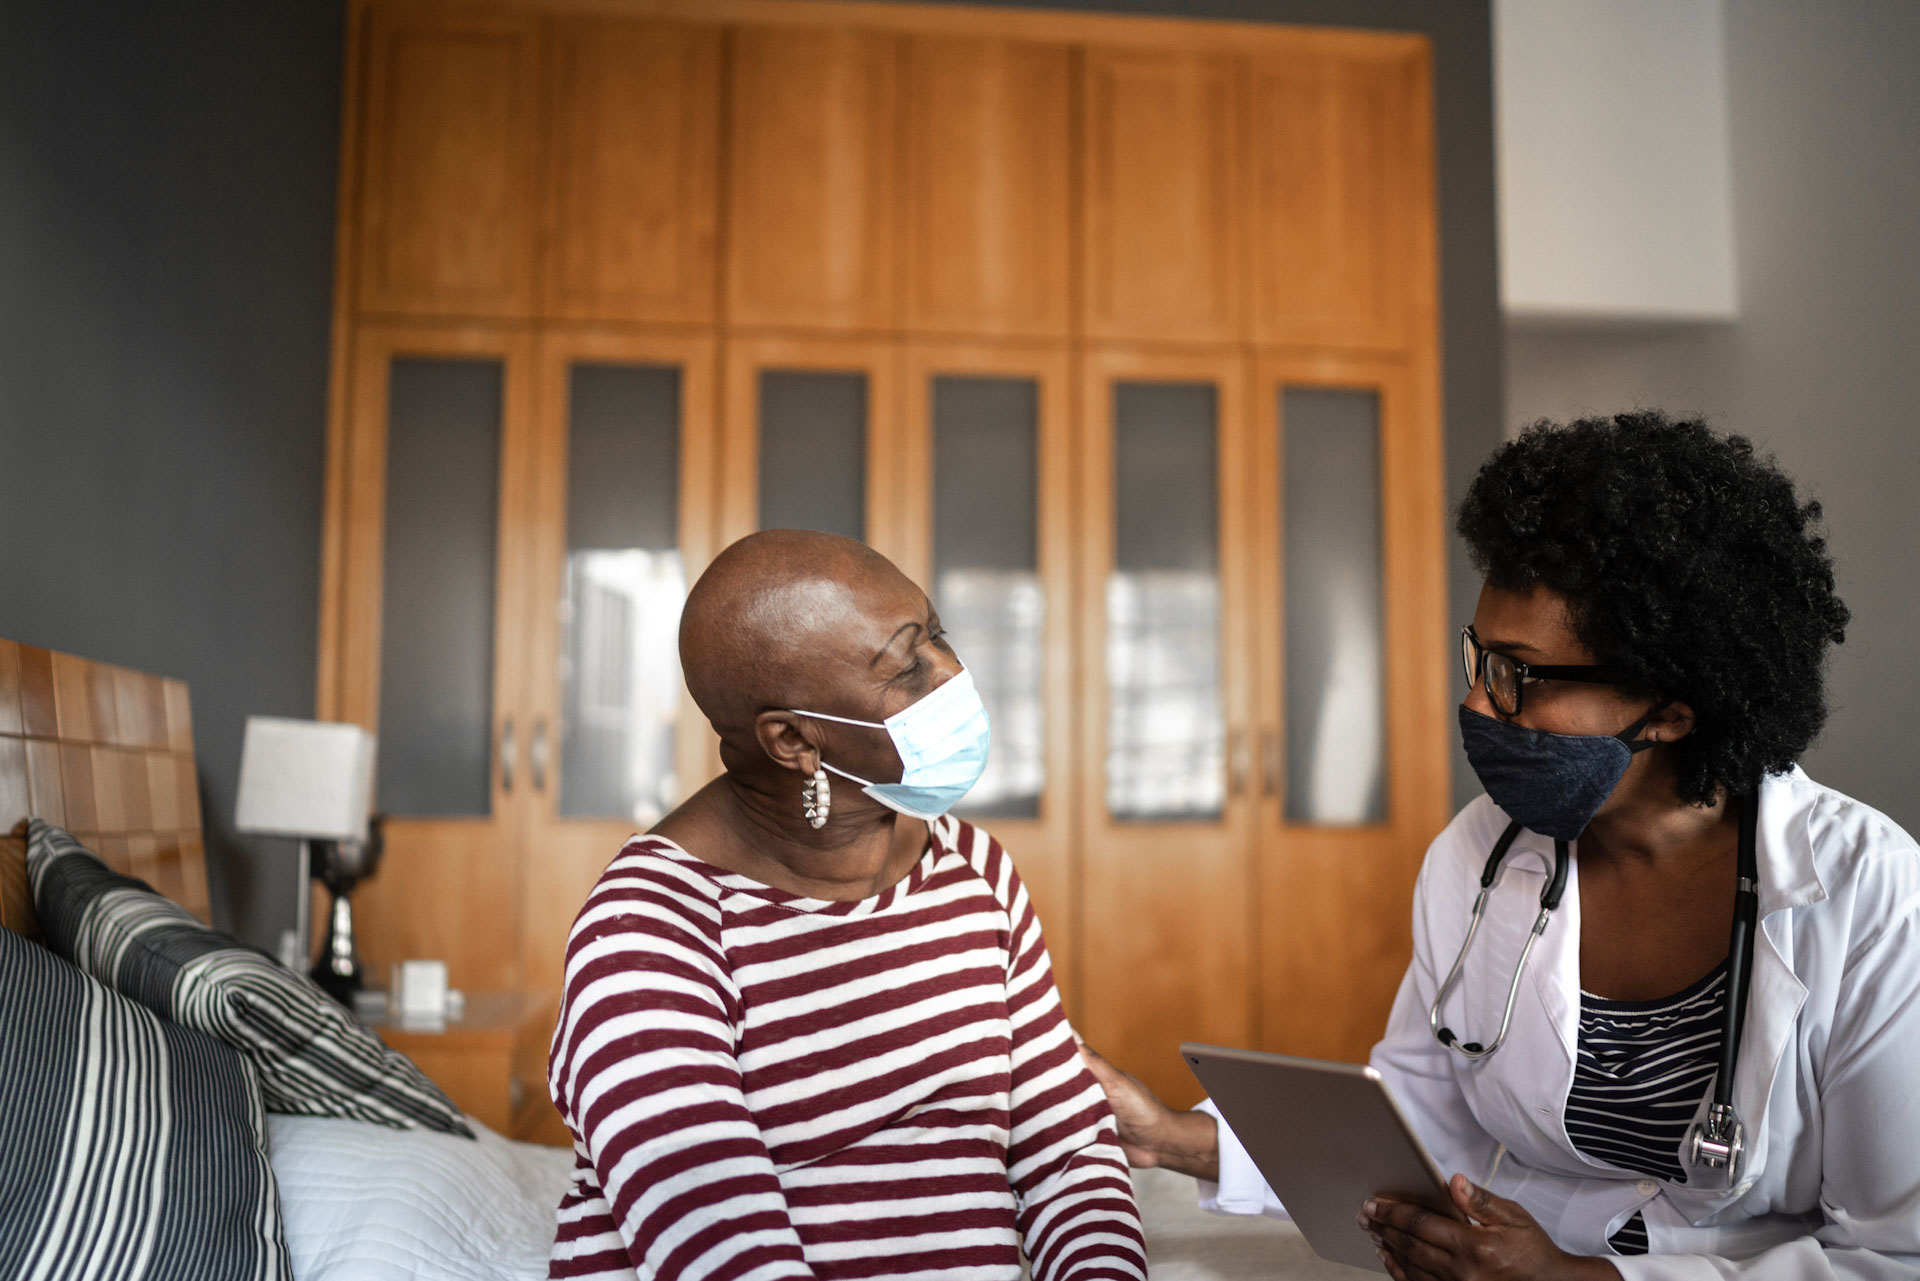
(107,753)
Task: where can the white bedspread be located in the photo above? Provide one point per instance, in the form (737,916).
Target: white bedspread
(364,1203)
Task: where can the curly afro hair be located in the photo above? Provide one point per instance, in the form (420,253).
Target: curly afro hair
(1688,563)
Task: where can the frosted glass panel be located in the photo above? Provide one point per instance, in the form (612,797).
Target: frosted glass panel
(620,616)
(1166,730)
(986,522)
(437,590)
(1335,664)
(813,451)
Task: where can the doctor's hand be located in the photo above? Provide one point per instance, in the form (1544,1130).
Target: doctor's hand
(1503,1243)
(1151,1133)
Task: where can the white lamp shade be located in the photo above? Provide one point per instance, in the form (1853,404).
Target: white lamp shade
(311,779)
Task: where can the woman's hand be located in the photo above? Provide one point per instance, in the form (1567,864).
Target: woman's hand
(1151,1133)
(1503,1243)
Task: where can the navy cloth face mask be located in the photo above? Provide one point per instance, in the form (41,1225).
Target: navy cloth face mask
(1551,783)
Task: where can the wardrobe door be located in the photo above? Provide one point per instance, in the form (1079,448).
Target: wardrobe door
(812,141)
(424,639)
(448,141)
(1161,224)
(989,165)
(1168,915)
(623,496)
(1340,208)
(634,188)
(1352,698)
(986,520)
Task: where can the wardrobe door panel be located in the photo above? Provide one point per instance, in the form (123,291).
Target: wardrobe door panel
(1355,686)
(1161,225)
(988,164)
(986,517)
(810,230)
(634,135)
(1168,934)
(624,496)
(427,582)
(1342,191)
(447,172)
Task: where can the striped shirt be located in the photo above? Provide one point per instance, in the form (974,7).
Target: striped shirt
(1642,1069)
(763,1085)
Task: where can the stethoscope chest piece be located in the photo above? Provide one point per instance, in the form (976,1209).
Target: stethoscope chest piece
(1716,1149)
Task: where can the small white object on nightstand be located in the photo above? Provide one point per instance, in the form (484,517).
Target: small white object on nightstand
(417,993)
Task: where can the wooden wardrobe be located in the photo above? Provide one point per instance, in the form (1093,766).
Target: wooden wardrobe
(1117,334)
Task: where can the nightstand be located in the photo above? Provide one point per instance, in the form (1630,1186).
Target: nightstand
(491,1061)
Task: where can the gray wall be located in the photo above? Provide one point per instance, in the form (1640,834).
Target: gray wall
(166,243)
(1470,329)
(1823,366)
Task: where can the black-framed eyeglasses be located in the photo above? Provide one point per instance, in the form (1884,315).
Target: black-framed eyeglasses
(1506,677)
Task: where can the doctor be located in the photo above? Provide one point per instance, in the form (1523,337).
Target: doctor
(1645,667)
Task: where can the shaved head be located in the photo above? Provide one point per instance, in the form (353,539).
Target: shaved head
(789,618)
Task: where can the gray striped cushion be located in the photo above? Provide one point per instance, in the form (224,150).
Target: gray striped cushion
(129,1147)
(313,1059)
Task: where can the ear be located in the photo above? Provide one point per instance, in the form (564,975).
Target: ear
(784,738)
(1670,724)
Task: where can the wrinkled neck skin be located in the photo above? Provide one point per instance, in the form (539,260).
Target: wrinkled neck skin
(1645,826)
(853,857)
(749,821)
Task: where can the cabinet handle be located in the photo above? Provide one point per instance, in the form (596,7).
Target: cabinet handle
(506,755)
(1270,760)
(1237,763)
(537,754)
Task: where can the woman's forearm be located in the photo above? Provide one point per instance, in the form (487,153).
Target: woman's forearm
(1190,1144)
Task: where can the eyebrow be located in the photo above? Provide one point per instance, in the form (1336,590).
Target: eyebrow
(888,647)
(1504,645)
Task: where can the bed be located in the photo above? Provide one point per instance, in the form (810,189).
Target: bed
(104,755)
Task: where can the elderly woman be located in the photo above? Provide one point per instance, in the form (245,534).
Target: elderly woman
(1643,670)
(810,1030)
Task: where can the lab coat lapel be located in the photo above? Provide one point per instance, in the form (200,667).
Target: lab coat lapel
(1545,1023)
(1556,976)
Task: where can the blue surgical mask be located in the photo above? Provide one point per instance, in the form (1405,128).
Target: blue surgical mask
(1552,783)
(942,740)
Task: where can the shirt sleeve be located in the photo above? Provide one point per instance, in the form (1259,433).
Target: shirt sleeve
(1076,1211)
(643,1072)
(1870,1126)
(1241,1189)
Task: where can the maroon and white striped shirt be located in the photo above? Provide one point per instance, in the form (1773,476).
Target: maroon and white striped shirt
(763,1085)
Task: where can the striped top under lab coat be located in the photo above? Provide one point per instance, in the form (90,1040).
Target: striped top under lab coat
(764,1085)
(1642,1069)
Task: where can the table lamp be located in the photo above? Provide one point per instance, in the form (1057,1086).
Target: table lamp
(313,781)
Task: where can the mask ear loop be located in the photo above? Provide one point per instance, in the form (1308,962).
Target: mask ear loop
(1638,745)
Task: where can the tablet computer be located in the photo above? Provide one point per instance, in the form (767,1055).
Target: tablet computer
(1326,1136)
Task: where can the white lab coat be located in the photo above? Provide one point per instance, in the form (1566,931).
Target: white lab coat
(1828,1080)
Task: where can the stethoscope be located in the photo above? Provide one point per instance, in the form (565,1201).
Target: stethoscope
(1715,1149)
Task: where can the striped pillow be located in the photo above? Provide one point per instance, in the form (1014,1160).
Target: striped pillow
(313,1059)
(129,1147)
